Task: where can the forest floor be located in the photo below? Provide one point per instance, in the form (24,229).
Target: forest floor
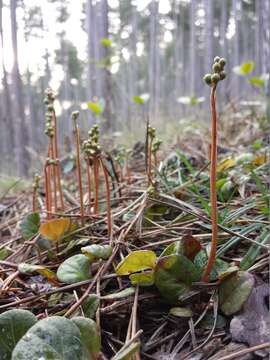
(166,316)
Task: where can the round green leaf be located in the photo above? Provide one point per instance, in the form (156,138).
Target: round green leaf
(53,338)
(97,251)
(89,334)
(137,261)
(13,324)
(173,276)
(234,291)
(74,269)
(90,305)
(30,225)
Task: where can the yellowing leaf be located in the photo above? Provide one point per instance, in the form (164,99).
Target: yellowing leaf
(55,229)
(245,68)
(259,160)
(137,261)
(142,278)
(25,268)
(226,164)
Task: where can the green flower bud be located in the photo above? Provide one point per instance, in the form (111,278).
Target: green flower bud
(222,75)
(216,59)
(216,67)
(215,78)
(222,62)
(50,108)
(207,79)
(75,115)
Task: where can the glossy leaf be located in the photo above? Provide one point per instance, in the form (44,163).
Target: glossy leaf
(89,334)
(90,305)
(173,276)
(219,267)
(95,251)
(144,278)
(120,294)
(25,268)
(51,338)
(55,229)
(74,269)
(234,291)
(171,249)
(13,326)
(30,225)
(181,312)
(137,261)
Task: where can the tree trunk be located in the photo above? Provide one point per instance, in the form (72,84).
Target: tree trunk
(23,160)
(154,61)
(106,84)
(7,119)
(192,72)
(91,36)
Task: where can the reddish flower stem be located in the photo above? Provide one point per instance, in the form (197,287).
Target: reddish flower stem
(96,182)
(58,170)
(149,170)
(79,171)
(52,146)
(108,199)
(213,194)
(88,173)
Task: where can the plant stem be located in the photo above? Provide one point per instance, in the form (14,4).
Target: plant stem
(46,190)
(213,194)
(79,170)
(149,167)
(52,146)
(96,181)
(108,199)
(58,170)
(88,173)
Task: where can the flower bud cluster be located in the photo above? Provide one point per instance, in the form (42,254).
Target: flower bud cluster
(36,181)
(48,101)
(156,145)
(91,147)
(151,132)
(218,72)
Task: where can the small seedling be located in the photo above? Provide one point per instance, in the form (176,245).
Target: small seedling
(212,80)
